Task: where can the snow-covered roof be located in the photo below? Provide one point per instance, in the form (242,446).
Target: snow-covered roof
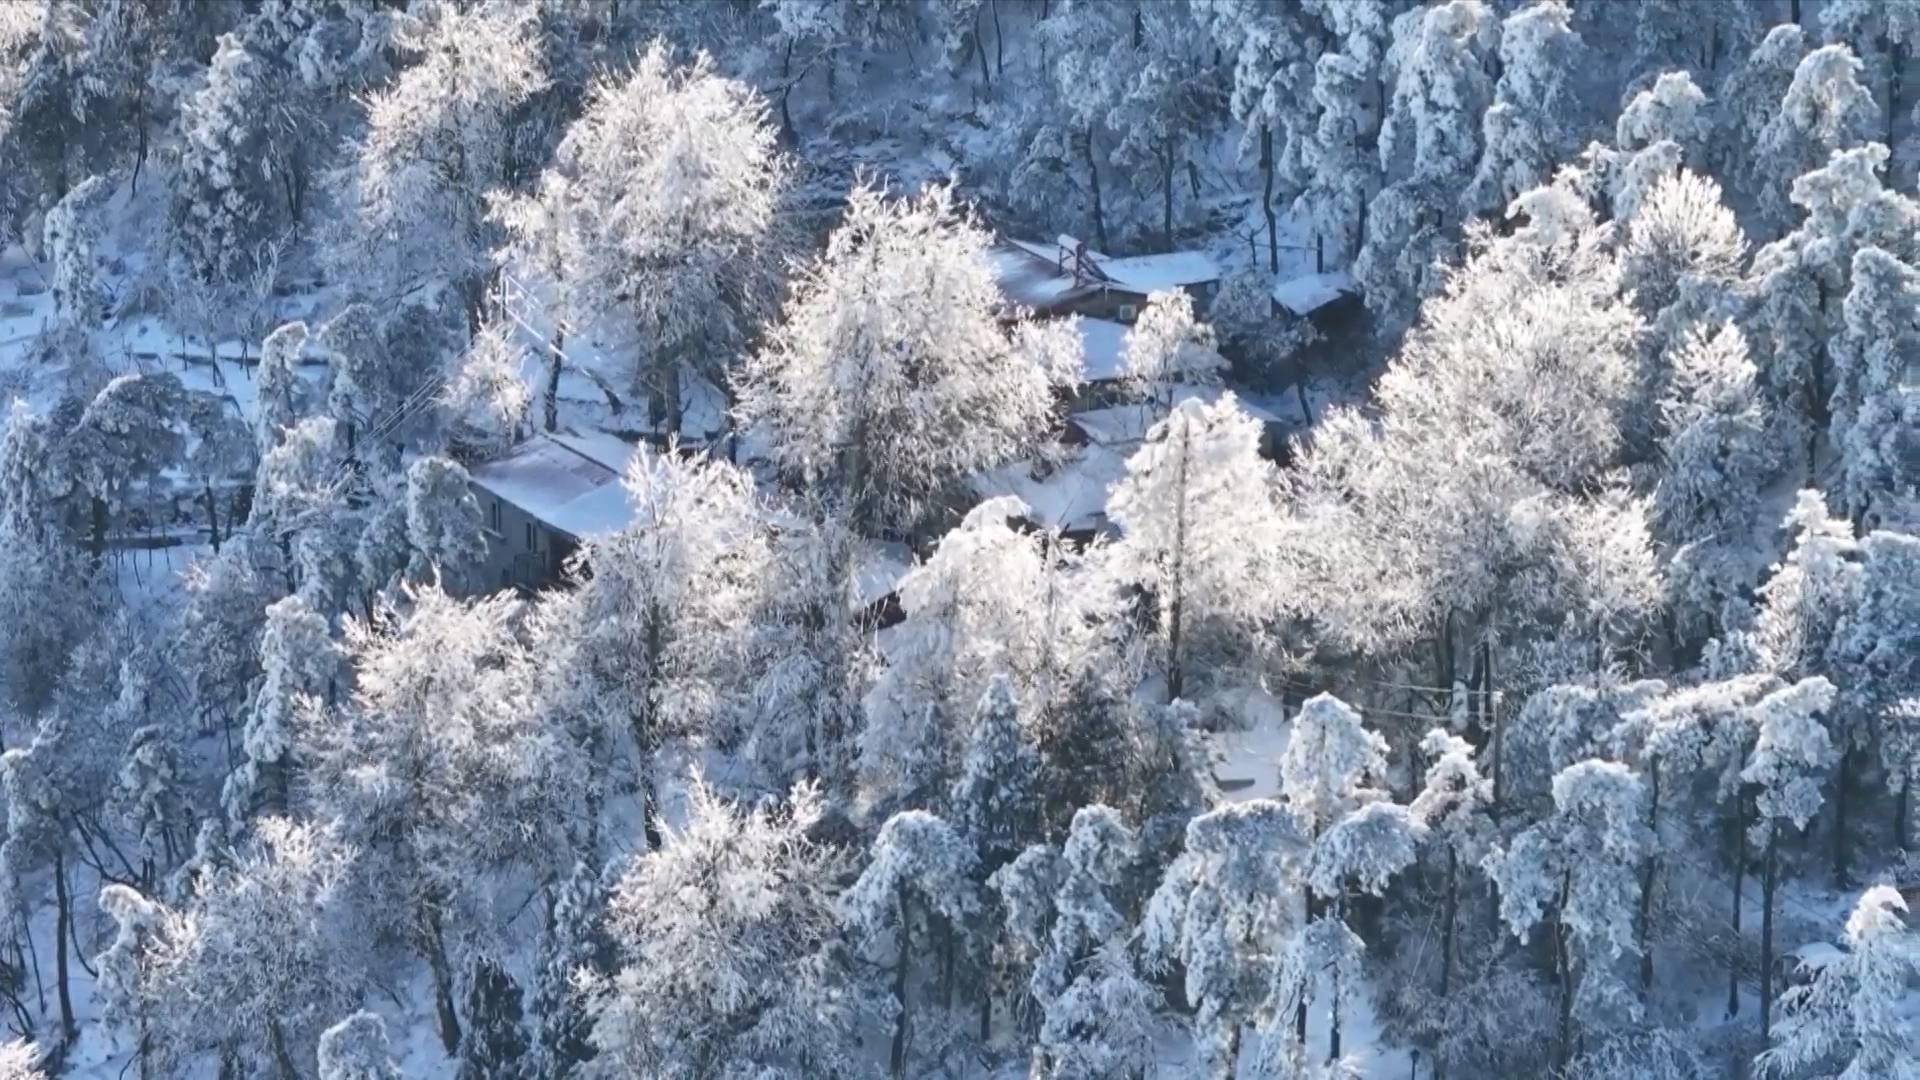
(1151,273)
(1028,274)
(1309,293)
(570,482)
(1122,425)
(1072,498)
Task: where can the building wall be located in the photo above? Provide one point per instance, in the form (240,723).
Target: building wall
(522,553)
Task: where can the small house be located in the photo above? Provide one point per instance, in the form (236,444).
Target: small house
(542,499)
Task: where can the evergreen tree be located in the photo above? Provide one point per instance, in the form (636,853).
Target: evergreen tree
(493,1046)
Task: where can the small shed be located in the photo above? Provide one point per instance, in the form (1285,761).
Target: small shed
(1319,298)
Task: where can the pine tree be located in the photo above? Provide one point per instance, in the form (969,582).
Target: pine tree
(576,943)
(1825,109)
(1166,349)
(1849,1017)
(1226,911)
(1719,455)
(443,522)
(1580,861)
(298,662)
(1529,128)
(996,800)
(1790,756)
(493,1046)
(918,867)
(1869,360)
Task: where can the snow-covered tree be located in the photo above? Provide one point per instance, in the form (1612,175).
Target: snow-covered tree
(724,935)
(1825,109)
(1882,33)
(443,521)
(261,957)
(648,641)
(891,377)
(438,766)
(1340,174)
(1429,146)
(1104,1026)
(1227,910)
(1848,1017)
(1453,804)
(298,661)
(72,245)
(660,205)
(1531,125)
(992,600)
(1167,349)
(1870,359)
(1581,862)
(125,438)
(486,398)
(1719,455)
(1196,520)
(1683,259)
(493,1045)
(356,1049)
(1098,849)
(284,395)
(1749,99)
(1790,756)
(225,210)
(435,144)
(155,806)
(20,1060)
(577,946)
(918,867)
(996,800)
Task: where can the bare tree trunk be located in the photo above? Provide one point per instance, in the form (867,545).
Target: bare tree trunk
(1093,178)
(1770,879)
(1166,196)
(213,518)
(898,1056)
(554,363)
(1449,918)
(1564,962)
(282,1057)
(1842,803)
(63,917)
(1176,584)
(1649,873)
(436,948)
(999,40)
(980,50)
(1266,199)
(1739,889)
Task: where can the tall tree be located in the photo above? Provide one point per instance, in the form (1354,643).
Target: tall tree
(1195,513)
(891,377)
(662,204)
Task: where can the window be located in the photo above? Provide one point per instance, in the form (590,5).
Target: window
(493,515)
(531,545)
(1128,313)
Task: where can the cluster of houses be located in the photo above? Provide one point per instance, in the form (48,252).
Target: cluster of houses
(557,489)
